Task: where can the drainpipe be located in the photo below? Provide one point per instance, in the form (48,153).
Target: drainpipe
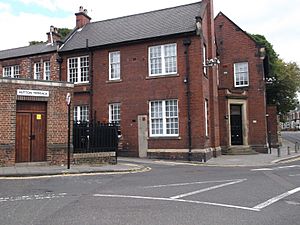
(187,43)
(91,57)
(59,60)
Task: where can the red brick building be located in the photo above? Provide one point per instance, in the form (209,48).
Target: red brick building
(242,103)
(148,73)
(33,111)
(156,74)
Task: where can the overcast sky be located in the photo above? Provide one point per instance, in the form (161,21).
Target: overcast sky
(22,21)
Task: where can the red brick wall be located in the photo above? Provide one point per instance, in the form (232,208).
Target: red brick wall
(273,125)
(56,117)
(211,86)
(7,126)
(236,46)
(27,65)
(136,89)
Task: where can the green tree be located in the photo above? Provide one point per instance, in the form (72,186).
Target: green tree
(62,31)
(283,80)
(35,42)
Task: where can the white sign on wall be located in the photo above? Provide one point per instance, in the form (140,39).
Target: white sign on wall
(35,93)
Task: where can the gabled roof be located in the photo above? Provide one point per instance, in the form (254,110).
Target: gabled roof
(27,50)
(164,22)
(234,24)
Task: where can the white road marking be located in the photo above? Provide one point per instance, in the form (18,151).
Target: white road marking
(176,163)
(276,199)
(207,189)
(294,175)
(176,200)
(276,168)
(286,167)
(292,203)
(32,197)
(191,183)
(262,169)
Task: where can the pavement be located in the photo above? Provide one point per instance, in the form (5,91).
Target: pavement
(35,170)
(259,159)
(132,165)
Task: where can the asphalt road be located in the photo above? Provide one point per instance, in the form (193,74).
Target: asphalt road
(168,194)
(292,136)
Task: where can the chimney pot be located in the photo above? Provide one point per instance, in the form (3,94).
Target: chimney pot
(82,18)
(53,35)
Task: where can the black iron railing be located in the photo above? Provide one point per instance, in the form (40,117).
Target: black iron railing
(95,137)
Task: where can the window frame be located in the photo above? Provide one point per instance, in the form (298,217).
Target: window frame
(164,119)
(7,71)
(111,114)
(37,71)
(163,60)
(12,71)
(206,117)
(112,64)
(204,60)
(236,73)
(47,73)
(78,70)
(78,115)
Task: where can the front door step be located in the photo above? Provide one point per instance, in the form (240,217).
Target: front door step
(239,150)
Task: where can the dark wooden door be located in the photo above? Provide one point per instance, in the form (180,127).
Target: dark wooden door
(38,137)
(31,132)
(23,137)
(236,124)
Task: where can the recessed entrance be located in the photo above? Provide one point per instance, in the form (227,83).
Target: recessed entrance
(236,125)
(31,131)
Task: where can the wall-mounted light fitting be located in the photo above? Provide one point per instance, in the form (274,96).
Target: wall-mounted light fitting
(212,62)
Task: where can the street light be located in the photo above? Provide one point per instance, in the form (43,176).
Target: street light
(68,101)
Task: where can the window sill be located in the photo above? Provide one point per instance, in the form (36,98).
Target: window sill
(165,138)
(244,86)
(81,84)
(162,76)
(113,81)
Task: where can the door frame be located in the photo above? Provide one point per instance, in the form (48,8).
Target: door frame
(245,123)
(36,111)
(238,122)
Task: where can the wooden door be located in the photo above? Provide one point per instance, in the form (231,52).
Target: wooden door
(23,137)
(31,132)
(38,137)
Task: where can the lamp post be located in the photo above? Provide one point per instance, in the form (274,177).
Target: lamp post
(268,134)
(68,100)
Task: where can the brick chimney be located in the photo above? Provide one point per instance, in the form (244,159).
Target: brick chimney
(82,18)
(53,35)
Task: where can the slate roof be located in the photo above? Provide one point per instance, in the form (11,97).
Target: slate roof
(27,50)
(175,20)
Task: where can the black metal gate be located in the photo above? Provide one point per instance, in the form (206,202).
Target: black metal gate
(95,137)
